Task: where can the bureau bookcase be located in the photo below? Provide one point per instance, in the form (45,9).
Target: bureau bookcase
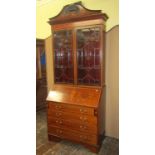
(75,102)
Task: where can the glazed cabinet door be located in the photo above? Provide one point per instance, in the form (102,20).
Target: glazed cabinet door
(88,56)
(63,56)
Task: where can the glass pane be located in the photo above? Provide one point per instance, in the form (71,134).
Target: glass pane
(88,55)
(63,56)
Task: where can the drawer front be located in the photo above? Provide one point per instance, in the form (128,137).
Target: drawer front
(73,135)
(74,125)
(71,108)
(73,117)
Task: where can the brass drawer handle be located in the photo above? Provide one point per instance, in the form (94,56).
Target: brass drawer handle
(83,110)
(59,131)
(58,114)
(58,107)
(83,118)
(60,122)
(83,127)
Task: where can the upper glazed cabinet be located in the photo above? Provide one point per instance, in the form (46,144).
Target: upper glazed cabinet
(78,46)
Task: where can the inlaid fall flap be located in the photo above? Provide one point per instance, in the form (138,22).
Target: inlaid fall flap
(75,95)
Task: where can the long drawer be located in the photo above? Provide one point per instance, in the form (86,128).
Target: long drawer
(73,116)
(71,108)
(75,125)
(73,135)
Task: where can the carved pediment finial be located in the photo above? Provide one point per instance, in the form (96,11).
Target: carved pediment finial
(71,9)
(76,12)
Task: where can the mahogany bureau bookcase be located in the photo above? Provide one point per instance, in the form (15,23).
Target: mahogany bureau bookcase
(75,102)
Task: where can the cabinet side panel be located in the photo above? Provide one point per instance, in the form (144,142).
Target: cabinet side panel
(101,113)
(103,57)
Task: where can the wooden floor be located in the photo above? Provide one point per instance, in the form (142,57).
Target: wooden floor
(110,146)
